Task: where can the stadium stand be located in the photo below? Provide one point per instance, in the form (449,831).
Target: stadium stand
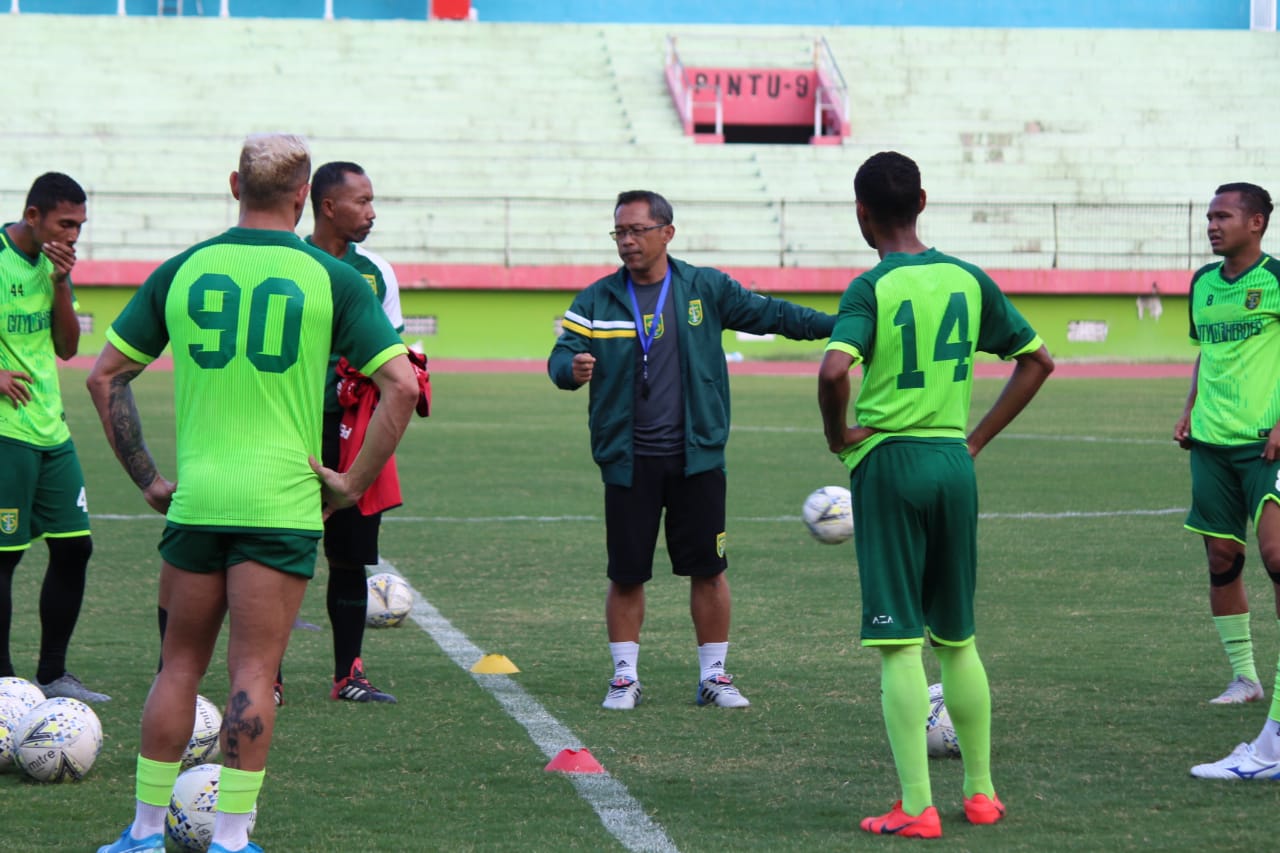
(504,143)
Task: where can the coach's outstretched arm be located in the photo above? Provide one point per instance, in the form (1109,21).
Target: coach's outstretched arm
(108,385)
(398,395)
(1029,373)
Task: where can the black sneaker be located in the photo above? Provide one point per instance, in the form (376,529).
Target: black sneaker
(356,688)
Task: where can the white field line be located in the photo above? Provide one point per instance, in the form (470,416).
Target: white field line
(621,814)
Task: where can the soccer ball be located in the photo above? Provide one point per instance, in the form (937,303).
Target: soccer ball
(192,806)
(203,745)
(940,735)
(828,513)
(58,740)
(11,711)
(27,693)
(390,600)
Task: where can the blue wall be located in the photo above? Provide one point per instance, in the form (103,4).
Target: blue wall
(1119,14)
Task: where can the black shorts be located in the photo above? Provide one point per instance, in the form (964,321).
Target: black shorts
(349,537)
(695,508)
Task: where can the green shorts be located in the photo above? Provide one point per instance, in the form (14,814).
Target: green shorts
(205,551)
(1229,485)
(915,521)
(41,494)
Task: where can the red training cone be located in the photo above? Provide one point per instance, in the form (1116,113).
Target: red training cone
(574,761)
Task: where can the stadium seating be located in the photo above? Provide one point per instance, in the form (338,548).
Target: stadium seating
(505,143)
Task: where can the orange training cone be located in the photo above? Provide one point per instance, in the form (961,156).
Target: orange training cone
(574,761)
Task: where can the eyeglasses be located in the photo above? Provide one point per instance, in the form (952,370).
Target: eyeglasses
(623,233)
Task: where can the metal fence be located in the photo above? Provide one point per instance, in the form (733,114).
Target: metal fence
(518,231)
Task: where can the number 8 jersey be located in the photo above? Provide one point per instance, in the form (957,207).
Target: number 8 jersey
(915,322)
(252,316)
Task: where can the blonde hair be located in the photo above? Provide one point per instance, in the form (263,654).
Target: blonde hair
(272,167)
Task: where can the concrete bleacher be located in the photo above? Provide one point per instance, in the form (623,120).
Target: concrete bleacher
(506,143)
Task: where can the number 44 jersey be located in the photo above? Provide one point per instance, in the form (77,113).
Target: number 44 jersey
(252,317)
(914,322)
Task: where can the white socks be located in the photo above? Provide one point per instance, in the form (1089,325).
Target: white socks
(147,820)
(625,659)
(711,659)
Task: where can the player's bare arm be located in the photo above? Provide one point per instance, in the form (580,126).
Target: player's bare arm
(15,385)
(397,397)
(108,385)
(65,324)
(1271,450)
(1182,429)
(1030,370)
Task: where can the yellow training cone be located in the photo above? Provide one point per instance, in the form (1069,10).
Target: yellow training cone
(494,665)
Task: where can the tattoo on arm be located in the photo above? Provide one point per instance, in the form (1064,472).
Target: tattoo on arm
(239,723)
(126,431)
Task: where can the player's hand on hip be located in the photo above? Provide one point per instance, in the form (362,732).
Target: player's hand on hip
(335,491)
(15,385)
(159,494)
(854,436)
(584,364)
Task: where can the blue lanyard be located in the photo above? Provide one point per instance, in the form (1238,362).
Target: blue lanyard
(646,335)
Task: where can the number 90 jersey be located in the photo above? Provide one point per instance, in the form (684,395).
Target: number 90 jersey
(252,316)
(915,322)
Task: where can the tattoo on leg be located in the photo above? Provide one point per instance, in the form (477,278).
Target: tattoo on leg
(239,723)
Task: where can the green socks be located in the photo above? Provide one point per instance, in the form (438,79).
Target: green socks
(904,697)
(968,698)
(154,781)
(1234,631)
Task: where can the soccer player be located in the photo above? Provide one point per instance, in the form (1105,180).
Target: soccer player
(1232,406)
(342,204)
(914,322)
(647,340)
(42,492)
(1231,426)
(252,316)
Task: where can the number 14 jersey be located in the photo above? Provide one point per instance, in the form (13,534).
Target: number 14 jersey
(914,322)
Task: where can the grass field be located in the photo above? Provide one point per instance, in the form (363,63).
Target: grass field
(1093,624)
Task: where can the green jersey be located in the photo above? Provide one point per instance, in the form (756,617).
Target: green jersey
(26,345)
(914,322)
(386,287)
(252,316)
(1236,324)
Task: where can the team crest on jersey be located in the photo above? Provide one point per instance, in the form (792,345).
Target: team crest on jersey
(719,544)
(695,312)
(373,282)
(649,321)
(8,521)
(1252,298)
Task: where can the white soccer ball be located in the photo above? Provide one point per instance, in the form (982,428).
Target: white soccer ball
(58,740)
(192,807)
(940,735)
(203,745)
(25,692)
(390,600)
(11,713)
(828,513)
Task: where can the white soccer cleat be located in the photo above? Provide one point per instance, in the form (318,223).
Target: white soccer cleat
(1238,692)
(1242,763)
(623,695)
(719,690)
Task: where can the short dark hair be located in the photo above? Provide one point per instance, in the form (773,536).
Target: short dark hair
(1253,198)
(659,208)
(888,185)
(329,176)
(53,188)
